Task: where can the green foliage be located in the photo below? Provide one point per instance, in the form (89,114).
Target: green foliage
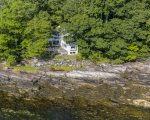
(23,31)
(65,57)
(117,61)
(37,31)
(62,68)
(131,58)
(79,57)
(27,69)
(116,30)
(95,56)
(11,60)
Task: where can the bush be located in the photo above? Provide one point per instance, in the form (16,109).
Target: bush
(79,57)
(117,61)
(131,58)
(11,60)
(103,60)
(27,69)
(65,57)
(62,68)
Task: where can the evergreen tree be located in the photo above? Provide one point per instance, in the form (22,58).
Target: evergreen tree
(23,31)
(36,34)
(115,30)
(112,29)
(13,17)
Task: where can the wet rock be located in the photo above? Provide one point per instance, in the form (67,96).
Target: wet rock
(141,102)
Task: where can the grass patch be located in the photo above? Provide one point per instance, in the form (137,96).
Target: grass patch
(68,57)
(101,61)
(65,57)
(28,69)
(62,68)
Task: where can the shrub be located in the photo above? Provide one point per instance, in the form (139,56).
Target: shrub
(27,69)
(11,60)
(62,68)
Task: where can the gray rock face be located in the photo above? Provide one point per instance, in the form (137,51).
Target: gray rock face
(112,74)
(138,70)
(92,75)
(95,75)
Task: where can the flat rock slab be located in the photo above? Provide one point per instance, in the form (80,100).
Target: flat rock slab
(84,75)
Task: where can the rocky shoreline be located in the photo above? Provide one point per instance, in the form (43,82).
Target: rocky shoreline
(137,73)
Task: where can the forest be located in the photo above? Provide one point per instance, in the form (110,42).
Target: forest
(106,30)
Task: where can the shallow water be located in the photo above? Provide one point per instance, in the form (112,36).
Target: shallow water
(12,108)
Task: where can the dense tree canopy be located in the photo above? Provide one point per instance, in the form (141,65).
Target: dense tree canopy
(23,31)
(112,30)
